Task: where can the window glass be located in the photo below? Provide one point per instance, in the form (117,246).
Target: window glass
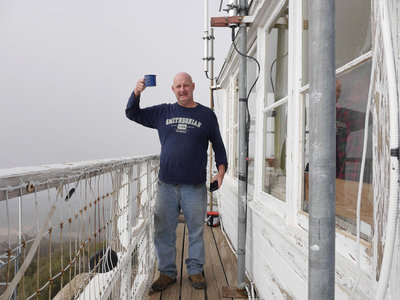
(351,102)
(305,43)
(275,119)
(235,126)
(235,151)
(251,152)
(275,126)
(227,121)
(352,32)
(277,64)
(252,72)
(353,29)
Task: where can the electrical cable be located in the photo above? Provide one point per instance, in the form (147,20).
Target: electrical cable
(270,71)
(208,77)
(247,56)
(248,121)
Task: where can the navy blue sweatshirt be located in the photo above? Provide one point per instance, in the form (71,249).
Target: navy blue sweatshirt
(184,134)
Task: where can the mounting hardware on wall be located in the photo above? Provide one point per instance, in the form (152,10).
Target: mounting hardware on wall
(230,21)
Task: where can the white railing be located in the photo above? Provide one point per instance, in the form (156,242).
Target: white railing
(78,230)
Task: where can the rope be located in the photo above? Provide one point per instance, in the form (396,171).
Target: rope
(29,258)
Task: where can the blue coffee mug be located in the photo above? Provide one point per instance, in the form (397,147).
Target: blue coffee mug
(150,80)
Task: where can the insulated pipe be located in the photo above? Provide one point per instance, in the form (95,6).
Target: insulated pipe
(243,147)
(321,242)
(233,9)
(205,37)
(394,149)
(211,59)
(361,180)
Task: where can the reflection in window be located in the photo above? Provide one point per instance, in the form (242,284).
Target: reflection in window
(275,118)
(352,32)
(277,56)
(351,102)
(353,29)
(251,78)
(252,73)
(275,152)
(235,151)
(252,137)
(304,76)
(235,125)
(227,123)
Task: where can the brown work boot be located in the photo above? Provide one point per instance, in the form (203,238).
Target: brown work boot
(162,282)
(198,281)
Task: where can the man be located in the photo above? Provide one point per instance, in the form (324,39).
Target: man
(348,121)
(184,129)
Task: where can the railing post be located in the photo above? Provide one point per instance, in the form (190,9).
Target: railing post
(148,208)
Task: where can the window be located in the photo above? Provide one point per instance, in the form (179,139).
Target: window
(235,125)
(275,112)
(352,32)
(227,123)
(352,85)
(251,78)
(275,124)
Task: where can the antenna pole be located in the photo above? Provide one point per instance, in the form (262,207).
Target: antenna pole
(243,147)
(205,36)
(321,241)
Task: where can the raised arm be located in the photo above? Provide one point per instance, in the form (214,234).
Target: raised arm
(148,116)
(140,87)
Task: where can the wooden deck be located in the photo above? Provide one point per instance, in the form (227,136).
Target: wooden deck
(220,268)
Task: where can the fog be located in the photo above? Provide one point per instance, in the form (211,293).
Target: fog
(69,67)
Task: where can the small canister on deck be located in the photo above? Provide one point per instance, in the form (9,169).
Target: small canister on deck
(212,218)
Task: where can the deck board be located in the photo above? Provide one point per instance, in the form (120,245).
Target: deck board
(220,268)
(188,292)
(228,258)
(173,291)
(213,269)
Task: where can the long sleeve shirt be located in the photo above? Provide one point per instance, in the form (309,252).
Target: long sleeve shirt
(184,134)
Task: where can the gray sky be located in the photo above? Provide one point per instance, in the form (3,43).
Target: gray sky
(67,68)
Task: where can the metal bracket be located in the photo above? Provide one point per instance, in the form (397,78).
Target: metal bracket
(395,152)
(215,87)
(283,22)
(229,21)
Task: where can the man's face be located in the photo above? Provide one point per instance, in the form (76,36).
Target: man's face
(183,88)
(338,89)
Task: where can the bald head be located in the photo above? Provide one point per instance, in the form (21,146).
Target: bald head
(183,75)
(183,88)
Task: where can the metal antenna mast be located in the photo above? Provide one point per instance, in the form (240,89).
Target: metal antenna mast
(243,146)
(321,252)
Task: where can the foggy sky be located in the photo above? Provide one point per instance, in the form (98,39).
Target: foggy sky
(68,67)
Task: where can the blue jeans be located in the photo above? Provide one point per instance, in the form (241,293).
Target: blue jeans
(171,198)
